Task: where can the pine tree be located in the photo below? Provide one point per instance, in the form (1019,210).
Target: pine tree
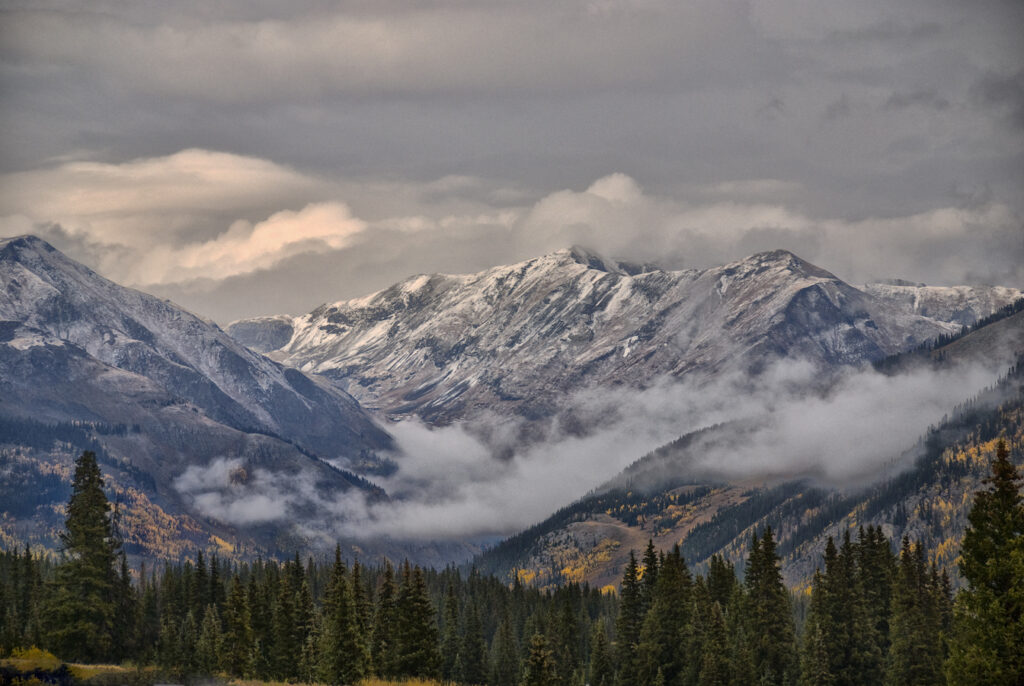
(81,611)
(343,654)
(539,669)
(418,651)
(286,647)
(384,645)
(602,663)
(772,634)
(915,655)
(473,651)
(987,645)
(714,670)
(209,643)
(658,648)
(238,642)
(630,622)
(450,637)
(505,658)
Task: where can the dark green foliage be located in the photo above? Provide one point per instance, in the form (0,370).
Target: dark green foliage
(505,657)
(665,623)
(630,623)
(602,662)
(81,611)
(915,651)
(868,621)
(770,619)
(988,624)
(418,652)
(540,665)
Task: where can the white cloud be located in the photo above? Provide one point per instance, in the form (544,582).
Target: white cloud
(195,220)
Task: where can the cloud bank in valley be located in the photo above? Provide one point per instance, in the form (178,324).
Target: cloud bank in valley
(450,484)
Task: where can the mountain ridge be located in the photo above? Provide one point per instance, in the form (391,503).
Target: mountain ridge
(510,339)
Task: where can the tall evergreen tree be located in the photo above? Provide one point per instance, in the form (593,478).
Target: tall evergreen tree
(662,632)
(450,635)
(915,657)
(539,669)
(237,646)
(343,654)
(384,644)
(209,643)
(602,662)
(418,650)
(81,611)
(772,633)
(987,646)
(630,622)
(505,656)
(473,649)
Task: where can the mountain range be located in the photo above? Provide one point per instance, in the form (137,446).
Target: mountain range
(517,339)
(247,440)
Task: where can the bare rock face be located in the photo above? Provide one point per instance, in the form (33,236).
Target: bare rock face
(514,339)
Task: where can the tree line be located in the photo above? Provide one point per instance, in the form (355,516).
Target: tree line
(871,615)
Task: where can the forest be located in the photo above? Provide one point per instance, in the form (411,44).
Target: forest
(874,614)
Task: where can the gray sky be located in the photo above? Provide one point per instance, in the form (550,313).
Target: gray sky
(263,157)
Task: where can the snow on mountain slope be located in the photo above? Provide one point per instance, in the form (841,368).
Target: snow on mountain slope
(963,305)
(518,337)
(43,291)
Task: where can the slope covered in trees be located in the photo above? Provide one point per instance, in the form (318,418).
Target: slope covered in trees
(927,501)
(870,616)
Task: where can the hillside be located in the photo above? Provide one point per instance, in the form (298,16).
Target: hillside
(205,443)
(923,493)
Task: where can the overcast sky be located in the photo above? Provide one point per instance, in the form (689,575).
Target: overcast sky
(259,157)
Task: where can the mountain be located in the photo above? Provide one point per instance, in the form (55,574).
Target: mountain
(923,493)
(202,437)
(517,339)
(964,305)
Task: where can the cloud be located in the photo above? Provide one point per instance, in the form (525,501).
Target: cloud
(930,99)
(234,236)
(793,423)
(246,247)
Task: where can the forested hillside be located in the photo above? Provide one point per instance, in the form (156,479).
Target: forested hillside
(590,539)
(870,616)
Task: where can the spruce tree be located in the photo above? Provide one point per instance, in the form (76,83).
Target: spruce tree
(602,663)
(630,622)
(343,654)
(418,651)
(539,669)
(81,611)
(450,636)
(714,663)
(987,645)
(914,655)
(662,632)
(473,651)
(772,633)
(209,643)
(237,645)
(505,657)
(384,643)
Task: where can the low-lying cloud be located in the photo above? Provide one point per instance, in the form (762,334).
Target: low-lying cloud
(846,430)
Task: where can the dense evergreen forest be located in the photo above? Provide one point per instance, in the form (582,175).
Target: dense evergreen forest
(873,615)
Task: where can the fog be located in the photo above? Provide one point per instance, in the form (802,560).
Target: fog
(843,429)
